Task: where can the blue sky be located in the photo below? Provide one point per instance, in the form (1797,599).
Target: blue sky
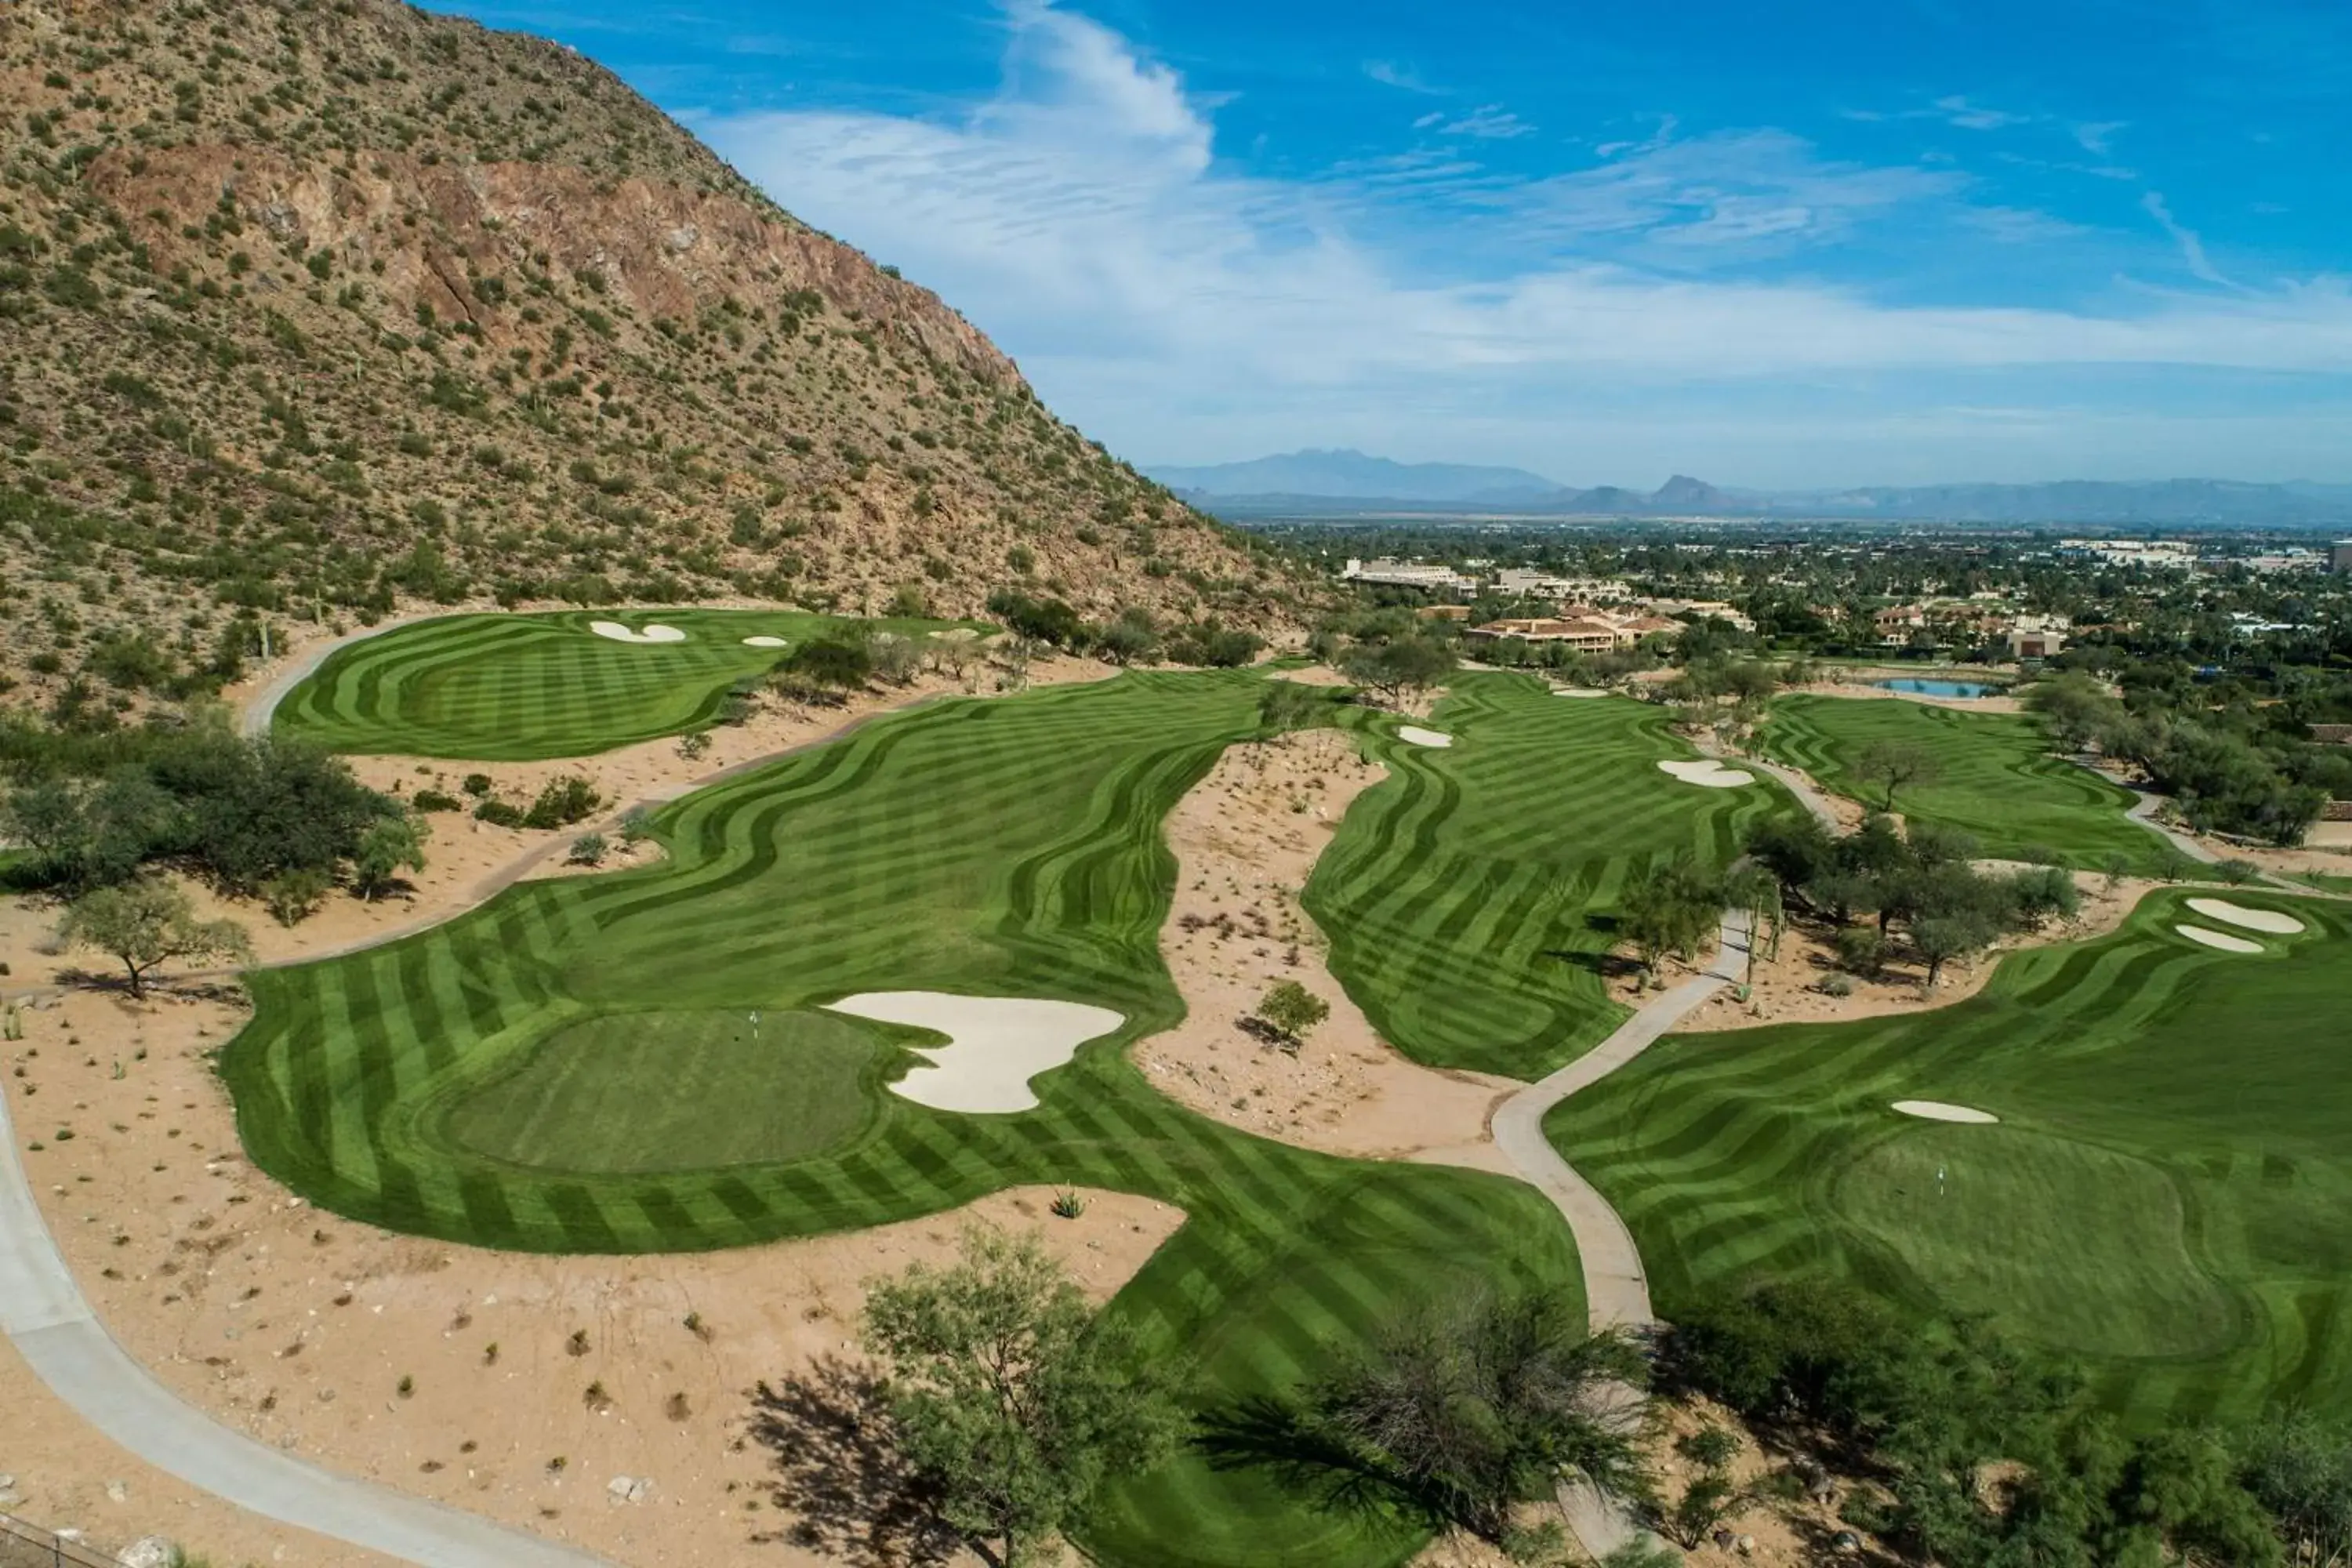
(1804,244)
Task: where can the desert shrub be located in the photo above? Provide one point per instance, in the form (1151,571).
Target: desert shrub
(292,897)
(562,802)
(499,813)
(437,799)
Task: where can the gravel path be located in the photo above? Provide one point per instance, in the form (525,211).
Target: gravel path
(47,1319)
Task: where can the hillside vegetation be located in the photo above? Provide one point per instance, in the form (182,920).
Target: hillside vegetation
(319,308)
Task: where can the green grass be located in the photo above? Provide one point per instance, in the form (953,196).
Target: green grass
(1467,897)
(496,688)
(1997,780)
(2168,1199)
(631,1093)
(1007,848)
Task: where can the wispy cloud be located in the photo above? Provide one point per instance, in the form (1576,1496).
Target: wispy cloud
(2098,137)
(1958,110)
(2193,247)
(1389,73)
(1079,214)
(1488,123)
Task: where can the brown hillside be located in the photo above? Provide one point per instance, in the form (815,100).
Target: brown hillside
(316,307)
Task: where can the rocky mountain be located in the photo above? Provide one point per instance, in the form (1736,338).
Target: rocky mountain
(320,308)
(1349,484)
(1349,475)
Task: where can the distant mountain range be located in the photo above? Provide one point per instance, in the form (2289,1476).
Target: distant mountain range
(1350,484)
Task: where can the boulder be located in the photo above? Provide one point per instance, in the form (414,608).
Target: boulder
(151,1551)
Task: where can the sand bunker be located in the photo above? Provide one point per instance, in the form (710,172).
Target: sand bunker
(1706,771)
(2228,913)
(1421,737)
(2220,939)
(995,1043)
(1576,691)
(1936,1111)
(620,633)
(763,641)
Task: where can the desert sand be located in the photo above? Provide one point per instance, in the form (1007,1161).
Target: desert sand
(1788,989)
(1938,1110)
(2277,923)
(995,1043)
(656,633)
(1246,838)
(1707,772)
(2220,940)
(299,1328)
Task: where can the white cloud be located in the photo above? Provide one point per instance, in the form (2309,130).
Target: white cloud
(1388,73)
(1170,303)
(1959,111)
(1490,122)
(2098,137)
(2193,247)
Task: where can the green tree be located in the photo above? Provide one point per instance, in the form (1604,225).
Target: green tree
(838,662)
(1286,706)
(147,923)
(393,844)
(1010,1396)
(1470,1405)
(1398,666)
(1896,766)
(1292,1009)
(1672,907)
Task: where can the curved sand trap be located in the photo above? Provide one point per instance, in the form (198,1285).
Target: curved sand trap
(763,640)
(1421,737)
(1709,773)
(620,633)
(2220,939)
(1576,692)
(2228,913)
(995,1043)
(1936,1111)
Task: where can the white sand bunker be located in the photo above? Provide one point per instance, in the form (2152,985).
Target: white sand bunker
(620,633)
(763,640)
(2228,913)
(2220,939)
(1421,737)
(1936,1111)
(1706,771)
(995,1043)
(1576,691)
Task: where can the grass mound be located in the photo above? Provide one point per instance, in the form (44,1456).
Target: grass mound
(1467,896)
(1996,778)
(1007,848)
(496,688)
(2168,1197)
(636,1093)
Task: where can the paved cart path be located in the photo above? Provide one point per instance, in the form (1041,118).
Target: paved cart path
(45,1316)
(1616,1289)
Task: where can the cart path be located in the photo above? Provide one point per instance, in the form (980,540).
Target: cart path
(1616,1288)
(47,1319)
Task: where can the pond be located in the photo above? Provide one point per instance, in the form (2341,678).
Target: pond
(1917,688)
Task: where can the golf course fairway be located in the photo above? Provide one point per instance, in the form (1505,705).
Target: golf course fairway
(501,1080)
(2166,1198)
(1994,777)
(504,688)
(1467,897)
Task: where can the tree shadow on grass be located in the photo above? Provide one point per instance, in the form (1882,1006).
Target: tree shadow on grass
(1277,1439)
(836,1470)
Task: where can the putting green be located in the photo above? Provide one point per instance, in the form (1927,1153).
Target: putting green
(2168,1196)
(1996,778)
(630,1093)
(1468,896)
(1008,847)
(496,688)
